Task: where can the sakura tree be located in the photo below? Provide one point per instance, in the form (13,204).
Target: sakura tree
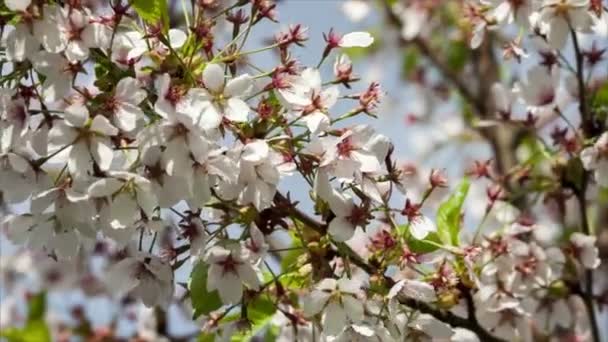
(149,160)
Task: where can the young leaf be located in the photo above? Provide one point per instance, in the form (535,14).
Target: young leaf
(427,245)
(448,216)
(152,11)
(203,301)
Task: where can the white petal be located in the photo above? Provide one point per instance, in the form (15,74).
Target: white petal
(129,90)
(248,276)
(79,162)
(104,187)
(17,5)
(177,38)
(126,116)
(558,33)
(421,226)
(211,118)
(341,229)
(230,288)
(313,303)
(76,115)
(329,96)
(236,110)
(238,86)
(120,277)
(255,151)
(334,319)
(356,39)
(77,51)
(102,152)
(316,122)
(213,78)
(353,308)
(102,125)
(122,211)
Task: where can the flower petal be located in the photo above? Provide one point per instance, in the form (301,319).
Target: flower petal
(356,39)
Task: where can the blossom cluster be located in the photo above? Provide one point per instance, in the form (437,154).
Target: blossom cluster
(130,149)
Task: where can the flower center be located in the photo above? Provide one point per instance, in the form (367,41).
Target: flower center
(229,265)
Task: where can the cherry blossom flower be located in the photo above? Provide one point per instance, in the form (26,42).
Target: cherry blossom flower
(309,101)
(224,99)
(560,16)
(595,158)
(585,250)
(144,276)
(124,104)
(228,271)
(336,299)
(59,74)
(88,140)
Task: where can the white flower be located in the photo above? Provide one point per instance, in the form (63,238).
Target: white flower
(585,250)
(505,212)
(337,299)
(595,158)
(356,10)
(356,39)
(144,276)
(508,322)
(540,88)
(421,226)
(413,19)
(358,150)
(309,101)
(348,216)
(88,140)
(135,44)
(124,104)
(169,189)
(130,193)
(76,32)
(259,174)
(560,15)
(228,271)
(43,233)
(59,73)
(224,99)
(17,5)
(20,43)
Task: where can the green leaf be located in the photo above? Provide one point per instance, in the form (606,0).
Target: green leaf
(206,338)
(410,61)
(203,301)
(457,55)
(259,313)
(448,215)
(260,309)
(34,331)
(575,173)
(152,11)
(36,307)
(427,245)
